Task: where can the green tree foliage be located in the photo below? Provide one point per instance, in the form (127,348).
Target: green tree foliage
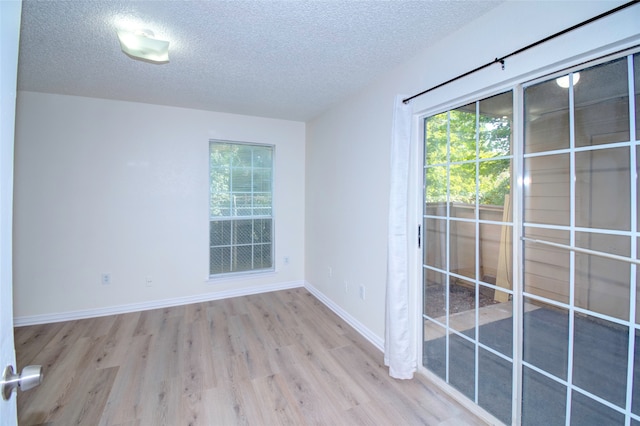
(240,179)
(450,148)
(221,157)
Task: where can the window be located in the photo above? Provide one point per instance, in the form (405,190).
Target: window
(240,207)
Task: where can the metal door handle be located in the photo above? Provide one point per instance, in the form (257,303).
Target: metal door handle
(30,377)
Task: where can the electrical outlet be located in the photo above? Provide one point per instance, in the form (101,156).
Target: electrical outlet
(149,281)
(362,292)
(105,278)
(286,260)
(346,286)
(330,271)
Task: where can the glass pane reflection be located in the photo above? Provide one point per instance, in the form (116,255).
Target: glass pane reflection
(602,189)
(602,110)
(462,183)
(462,255)
(546,117)
(543,400)
(494,127)
(494,182)
(436,190)
(434,351)
(494,385)
(589,412)
(435,294)
(546,339)
(436,137)
(495,254)
(435,241)
(462,306)
(463,134)
(635,396)
(546,268)
(462,365)
(496,321)
(547,189)
(602,284)
(600,352)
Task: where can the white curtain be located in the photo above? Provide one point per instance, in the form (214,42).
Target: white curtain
(399,346)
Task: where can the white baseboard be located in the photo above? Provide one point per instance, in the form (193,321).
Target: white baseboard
(377,341)
(155,304)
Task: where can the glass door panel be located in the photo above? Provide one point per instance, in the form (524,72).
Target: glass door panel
(578,239)
(467,269)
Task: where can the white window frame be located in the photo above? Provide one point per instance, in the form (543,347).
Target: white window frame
(233,216)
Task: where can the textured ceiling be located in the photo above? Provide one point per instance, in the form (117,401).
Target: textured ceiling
(280,59)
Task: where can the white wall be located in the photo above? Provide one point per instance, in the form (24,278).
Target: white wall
(348,146)
(120,187)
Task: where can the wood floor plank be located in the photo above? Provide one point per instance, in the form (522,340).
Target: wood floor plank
(30,341)
(197,367)
(112,352)
(100,326)
(316,406)
(329,373)
(58,390)
(280,358)
(90,397)
(276,402)
(127,394)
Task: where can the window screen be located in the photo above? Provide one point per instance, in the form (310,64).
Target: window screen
(240,207)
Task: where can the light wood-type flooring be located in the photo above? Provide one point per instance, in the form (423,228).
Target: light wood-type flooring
(279,358)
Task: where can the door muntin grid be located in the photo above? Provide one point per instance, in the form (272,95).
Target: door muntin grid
(580,190)
(468,233)
(579,336)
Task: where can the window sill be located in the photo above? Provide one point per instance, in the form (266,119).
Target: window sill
(239,276)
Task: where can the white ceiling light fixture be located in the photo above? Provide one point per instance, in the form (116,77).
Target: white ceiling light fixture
(142,44)
(564,80)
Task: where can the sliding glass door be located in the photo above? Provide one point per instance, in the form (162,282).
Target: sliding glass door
(467,264)
(572,356)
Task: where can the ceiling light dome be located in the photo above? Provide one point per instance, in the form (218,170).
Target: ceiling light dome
(564,80)
(141,44)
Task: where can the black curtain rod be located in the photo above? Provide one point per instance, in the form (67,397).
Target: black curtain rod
(544,40)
